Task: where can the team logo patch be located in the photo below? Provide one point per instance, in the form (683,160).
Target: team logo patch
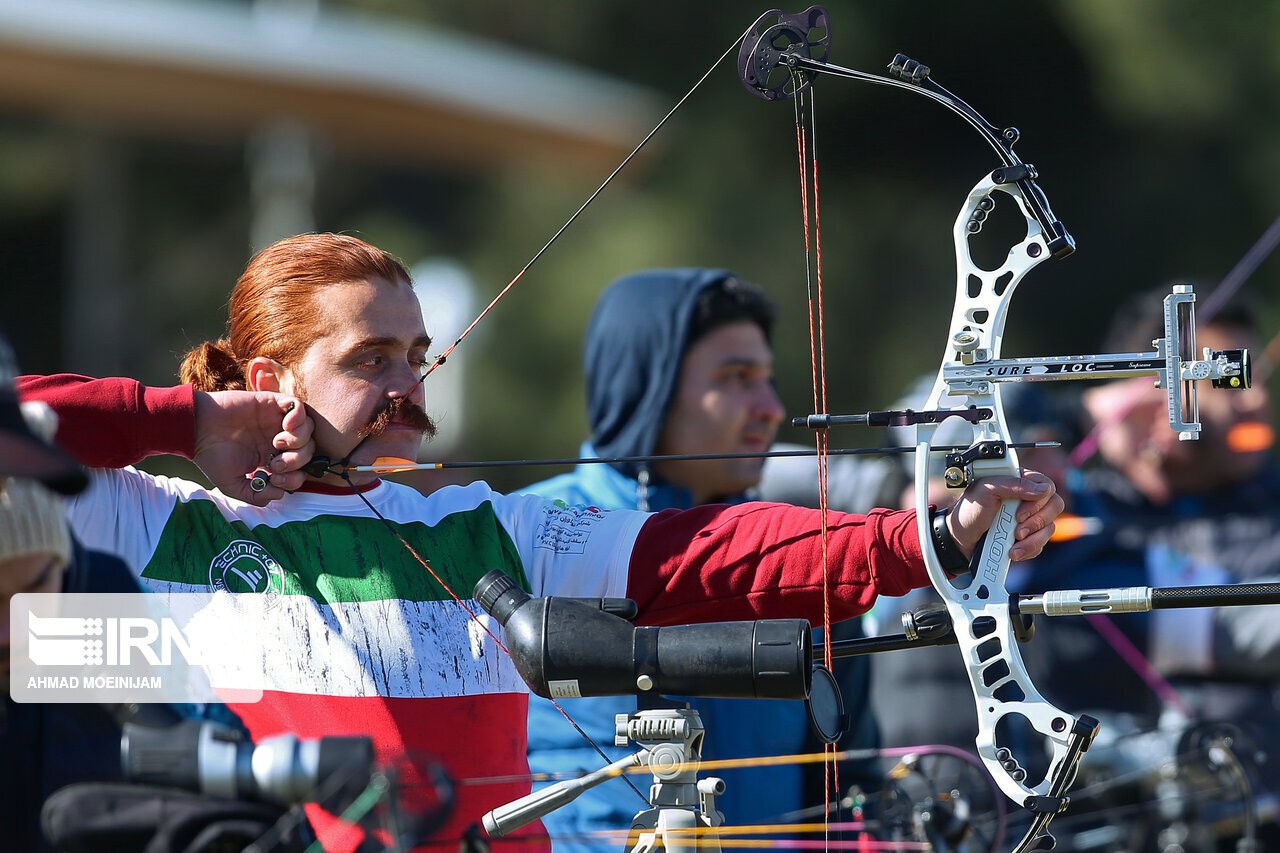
(245,566)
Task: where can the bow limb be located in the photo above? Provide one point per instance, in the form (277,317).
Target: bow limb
(986,627)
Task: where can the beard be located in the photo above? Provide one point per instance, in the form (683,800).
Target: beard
(401,410)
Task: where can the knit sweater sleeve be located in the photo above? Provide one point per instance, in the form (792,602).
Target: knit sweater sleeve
(110,423)
(761,560)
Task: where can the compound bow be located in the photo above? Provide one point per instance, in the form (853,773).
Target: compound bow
(780,58)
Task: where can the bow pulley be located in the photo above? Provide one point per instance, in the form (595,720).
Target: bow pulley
(780,60)
(768,63)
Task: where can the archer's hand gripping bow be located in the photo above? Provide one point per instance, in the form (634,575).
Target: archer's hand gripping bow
(781,56)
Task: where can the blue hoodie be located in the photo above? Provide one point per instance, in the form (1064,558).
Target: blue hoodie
(635,345)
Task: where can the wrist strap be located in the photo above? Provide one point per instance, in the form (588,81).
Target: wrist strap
(950,557)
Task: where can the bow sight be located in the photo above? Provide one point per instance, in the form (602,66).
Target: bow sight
(1173,364)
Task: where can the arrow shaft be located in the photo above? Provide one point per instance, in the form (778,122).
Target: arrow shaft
(405,465)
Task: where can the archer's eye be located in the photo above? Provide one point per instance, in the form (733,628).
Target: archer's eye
(746,376)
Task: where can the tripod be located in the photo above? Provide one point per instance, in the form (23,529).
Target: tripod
(680,805)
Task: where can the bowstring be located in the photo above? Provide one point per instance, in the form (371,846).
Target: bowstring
(824,454)
(806,150)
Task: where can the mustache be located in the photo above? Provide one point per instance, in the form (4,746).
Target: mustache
(401,410)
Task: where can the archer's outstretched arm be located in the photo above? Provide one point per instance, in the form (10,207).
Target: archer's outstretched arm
(762,560)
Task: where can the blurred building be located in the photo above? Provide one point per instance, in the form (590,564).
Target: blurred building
(146,146)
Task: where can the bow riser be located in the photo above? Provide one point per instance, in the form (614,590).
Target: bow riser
(983,296)
(977,602)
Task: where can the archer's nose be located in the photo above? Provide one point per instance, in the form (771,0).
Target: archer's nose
(767,407)
(407,383)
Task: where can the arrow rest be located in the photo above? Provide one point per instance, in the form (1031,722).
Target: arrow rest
(959,473)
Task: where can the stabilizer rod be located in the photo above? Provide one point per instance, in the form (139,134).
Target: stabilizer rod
(931,626)
(1140,599)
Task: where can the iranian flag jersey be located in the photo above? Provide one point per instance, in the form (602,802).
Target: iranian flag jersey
(360,633)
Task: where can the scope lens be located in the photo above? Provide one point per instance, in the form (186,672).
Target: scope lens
(498,594)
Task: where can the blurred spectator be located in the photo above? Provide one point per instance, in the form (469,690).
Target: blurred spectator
(1200,512)
(47,746)
(678,362)
(1146,467)
(44,747)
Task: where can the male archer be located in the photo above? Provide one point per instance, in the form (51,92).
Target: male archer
(325,350)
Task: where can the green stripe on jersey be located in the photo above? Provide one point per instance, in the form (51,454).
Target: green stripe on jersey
(332,558)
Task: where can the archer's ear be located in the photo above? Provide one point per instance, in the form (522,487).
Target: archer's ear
(265,374)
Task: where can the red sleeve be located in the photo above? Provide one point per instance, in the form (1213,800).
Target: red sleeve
(110,423)
(764,561)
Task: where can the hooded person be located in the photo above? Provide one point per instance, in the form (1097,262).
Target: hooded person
(678,361)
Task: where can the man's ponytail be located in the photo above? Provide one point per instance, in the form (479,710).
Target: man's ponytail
(212,367)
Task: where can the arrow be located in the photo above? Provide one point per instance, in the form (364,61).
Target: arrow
(394,465)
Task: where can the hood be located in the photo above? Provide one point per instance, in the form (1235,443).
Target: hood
(634,346)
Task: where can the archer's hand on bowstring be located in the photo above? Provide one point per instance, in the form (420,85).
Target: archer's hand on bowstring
(240,431)
(977,508)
